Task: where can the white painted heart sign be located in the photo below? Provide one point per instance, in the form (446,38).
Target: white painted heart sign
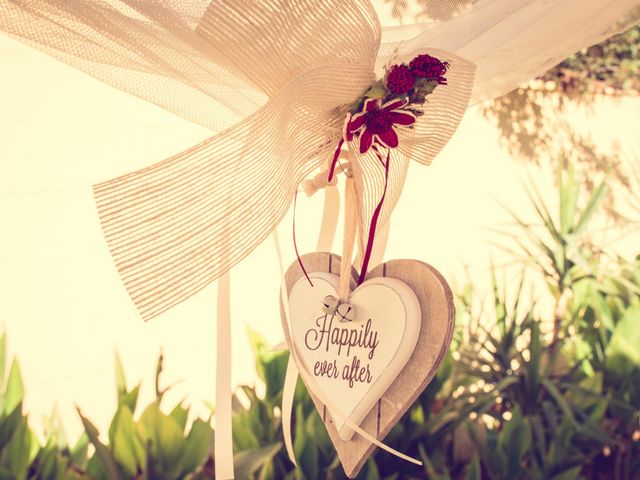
(354,362)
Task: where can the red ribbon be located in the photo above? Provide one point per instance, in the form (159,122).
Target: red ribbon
(295,244)
(334,162)
(374,219)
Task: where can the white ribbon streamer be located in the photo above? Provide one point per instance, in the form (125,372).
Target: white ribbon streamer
(330,211)
(223,443)
(288,393)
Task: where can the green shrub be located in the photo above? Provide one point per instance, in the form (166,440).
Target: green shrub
(522,393)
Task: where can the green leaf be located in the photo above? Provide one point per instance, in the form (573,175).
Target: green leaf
(198,446)
(590,385)
(532,367)
(598,411)
(15,388)
(126,446)
(315,428)
(543,213)
(180,415)
(539,436)
(271,366)
(247,462)
(9,424)
(164,437)
(593,204)
(159,368)
(130,399)
(95,470)
(3,357)
(125,397)
(560,401)
(80,451)
(371,472)
(427,86)
(304,448)
(514,440)
(243,437)
(429,467)
(121,380)
(54,431)
(569,190)
(473,469)
(15,457)
(107,463)
(47,464)
(377,90)
(6,474)
(35,444)
(550,416)
(622,353)
(570,474)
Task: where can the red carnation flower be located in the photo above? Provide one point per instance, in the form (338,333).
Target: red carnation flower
(429,67)
(400,79)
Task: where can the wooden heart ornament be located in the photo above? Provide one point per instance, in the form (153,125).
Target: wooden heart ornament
(376,365)
(354,361)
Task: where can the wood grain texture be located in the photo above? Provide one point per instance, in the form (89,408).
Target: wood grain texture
(438,320)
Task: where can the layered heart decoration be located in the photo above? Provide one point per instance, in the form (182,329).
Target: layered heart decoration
(354,361)
(375,365)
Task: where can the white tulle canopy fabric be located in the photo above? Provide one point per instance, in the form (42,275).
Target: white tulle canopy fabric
(272,80)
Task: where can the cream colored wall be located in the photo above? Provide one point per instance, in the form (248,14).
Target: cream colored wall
(61,302)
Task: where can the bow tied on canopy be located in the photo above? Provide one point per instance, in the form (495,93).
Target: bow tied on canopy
(175,226)
(273,81)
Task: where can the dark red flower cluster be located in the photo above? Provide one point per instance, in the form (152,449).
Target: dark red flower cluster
(400,79)
(430,68)
(390,104)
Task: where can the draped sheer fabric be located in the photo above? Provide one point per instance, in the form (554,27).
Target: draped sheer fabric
(146,48)
(178,225)
(271,79)
(512,41)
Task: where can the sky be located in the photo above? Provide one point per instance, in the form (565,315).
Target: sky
(62,305)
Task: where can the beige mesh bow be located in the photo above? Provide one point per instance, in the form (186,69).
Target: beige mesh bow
(288,70)
(271,79)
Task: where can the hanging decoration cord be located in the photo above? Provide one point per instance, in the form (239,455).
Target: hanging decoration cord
(374,218)
(349,238)
(223,445)
(295,243)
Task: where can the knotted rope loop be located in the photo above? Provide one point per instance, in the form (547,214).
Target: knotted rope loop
(321,180)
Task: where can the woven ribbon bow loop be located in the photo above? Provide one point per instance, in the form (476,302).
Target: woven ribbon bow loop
(164,223)
(270,42)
